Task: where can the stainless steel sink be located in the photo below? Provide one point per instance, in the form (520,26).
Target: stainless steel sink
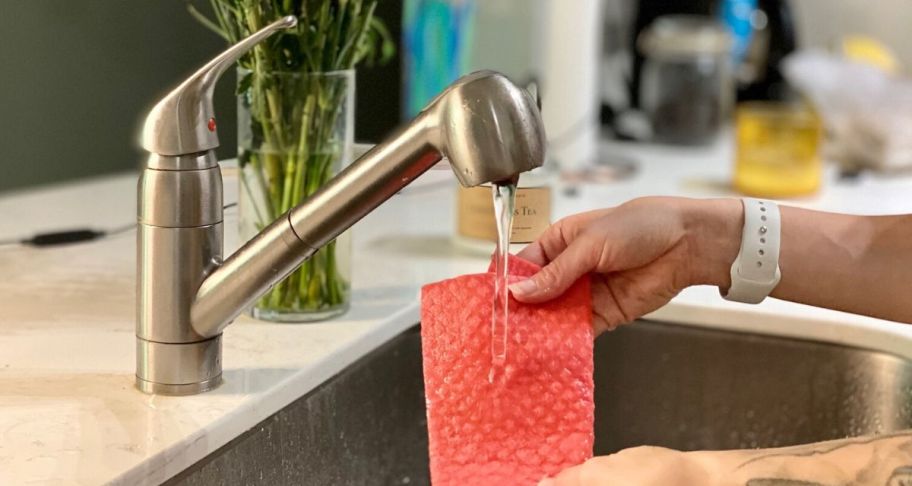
(691,388)
(659,384)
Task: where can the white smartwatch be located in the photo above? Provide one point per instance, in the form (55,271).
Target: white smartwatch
(755,273)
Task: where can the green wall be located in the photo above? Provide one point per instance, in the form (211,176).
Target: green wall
(77,76)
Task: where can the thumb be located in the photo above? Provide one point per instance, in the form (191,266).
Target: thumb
(556,277)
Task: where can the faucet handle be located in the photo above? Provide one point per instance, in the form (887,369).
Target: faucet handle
(183,122)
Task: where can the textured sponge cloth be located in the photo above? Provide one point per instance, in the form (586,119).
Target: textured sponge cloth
(536,418)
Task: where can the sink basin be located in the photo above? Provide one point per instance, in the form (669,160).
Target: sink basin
(690,388)
(657,384)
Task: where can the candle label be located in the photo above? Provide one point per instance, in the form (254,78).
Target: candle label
(475,213)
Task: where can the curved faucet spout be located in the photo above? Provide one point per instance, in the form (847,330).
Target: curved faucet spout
(489,130)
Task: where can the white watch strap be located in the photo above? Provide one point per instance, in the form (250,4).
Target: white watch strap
(755,273)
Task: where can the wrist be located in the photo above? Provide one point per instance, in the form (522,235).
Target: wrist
(713,228)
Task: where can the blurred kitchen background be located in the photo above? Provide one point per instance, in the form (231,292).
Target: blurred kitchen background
(76,77)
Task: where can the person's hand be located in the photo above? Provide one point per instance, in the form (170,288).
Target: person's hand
(641,254)
(640,466)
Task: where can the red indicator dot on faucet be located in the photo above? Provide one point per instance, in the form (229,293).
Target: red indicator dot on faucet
(211,124)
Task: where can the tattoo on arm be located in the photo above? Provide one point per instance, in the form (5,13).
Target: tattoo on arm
(902,476)
(827,447)
(879,455)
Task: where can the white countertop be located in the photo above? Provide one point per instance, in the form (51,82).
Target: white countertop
(69,413)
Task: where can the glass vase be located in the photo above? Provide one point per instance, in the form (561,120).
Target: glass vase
(295,132)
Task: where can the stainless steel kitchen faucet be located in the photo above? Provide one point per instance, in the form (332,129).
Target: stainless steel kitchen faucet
(489,129)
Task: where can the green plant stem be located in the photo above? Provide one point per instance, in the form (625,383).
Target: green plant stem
(293,152)
(306,169)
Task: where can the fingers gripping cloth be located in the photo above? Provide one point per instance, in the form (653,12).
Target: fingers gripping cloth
(536,418)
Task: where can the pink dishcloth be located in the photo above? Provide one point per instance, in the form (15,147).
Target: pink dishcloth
(537,417)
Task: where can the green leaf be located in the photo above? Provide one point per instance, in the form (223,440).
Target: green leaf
(387,43)
(207,22)
(244,83)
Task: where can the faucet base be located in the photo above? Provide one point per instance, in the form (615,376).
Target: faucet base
(153,388)
(178,368)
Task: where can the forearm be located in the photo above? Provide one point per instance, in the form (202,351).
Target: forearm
(861,460)
(859,264)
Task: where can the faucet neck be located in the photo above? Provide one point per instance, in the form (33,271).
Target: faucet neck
(281,247)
